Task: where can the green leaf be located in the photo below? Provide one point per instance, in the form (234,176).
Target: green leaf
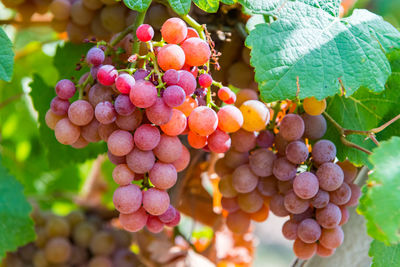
(307,52)
(253,21)
(6,57)
(380,202)
(67,56)
(210,6)
(58,155)
(181,7)
(228,2)
(138,5)
(383,255)
(16,227)
(364,111)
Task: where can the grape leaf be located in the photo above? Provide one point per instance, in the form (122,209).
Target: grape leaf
(210,6)
(58,155)
(181,7)
(380,201)
(138,5)
(16,227)
(383,255)
(228,2)
(307,52)
(6,57)
(365,110)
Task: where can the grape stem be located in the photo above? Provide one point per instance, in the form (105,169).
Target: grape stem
(11,99)
(82,86)
(343,135)
(194,24)
(155,65)
(276,109)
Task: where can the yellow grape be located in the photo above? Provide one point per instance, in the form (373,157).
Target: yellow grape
(314,107)
(255,115)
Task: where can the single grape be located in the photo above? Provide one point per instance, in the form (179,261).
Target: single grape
(231,99)
(105,112)
(303,250)
(250,202)
(169,215)
(66,132)
(183,161)
(260,215)
(159,113)
(171,77)
(238,222)
(65,89)
(285,186)
(145,33)
(171,56)
(329,217)
(143,94)
(205,80)
(60,9)
(154,225)
(123,105)
(112,17)
(100,261)
(95,56)
(188,106)
(81,15)
(320,200)
(305,185)
(197,51)
(174,30)
(196,141)
(332,238)
(83,233)
(163,175)
(267,186)
(102,243)
(90,132)
(140,161)
(140,74)
(314,126)
(127,199)
(284,170)
(191,33)
(255,114)
(262,161)
(243,141)
(324,151)
(341,195)
(155,201)
(314,107)
(355,195)
(291,127)
(230,119)
(244,95)
(168,149)
(80,112)
(345,215)
(289,229)
(135,221)
(105,130)
(349,170)
(203,121)
(99,93)
(174,96)
(52,119)
(147,137)
(229,204)
(296,152)
(107,74)
(219,141)
(80,143)
(92,4)
(309,231)
(130,122)
(244,180)
(265,139)
(187,81)
(294,204)
(120,143)
(330,176)
(277,206)
(226,187)
(57,250)
(234,159)
(324,252)
(124,83)
(224,93)
(175,221)
(57,226)
(59,106)
(176,125)
(122,175)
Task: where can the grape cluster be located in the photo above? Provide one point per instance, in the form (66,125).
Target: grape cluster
(141,113)
(26,8)
(279,174)
(78,239)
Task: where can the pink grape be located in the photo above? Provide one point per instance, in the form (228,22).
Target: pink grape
(277,206)
(355,195)
(174,30)
(176,125)
(203,121)
(291,127)
(171,77)
(143,94)
(305,185)
(283,169)
(175,221)
(320,200)
(183,161)
(168,149)
(294,204)
(116,160)
(127,199)
(289,229)
(169,215)
(238,222)
(80,143)
(94,70)
(131,122)
(243,141)
(59,106)
(105,130)
(105,112)
(267,186)
(163,175)
(147,137)
(309,231)
(187,82)
(140,74)
(52,119)
(159,113)
(91,131)
(197,51)
(205,80)
(233,158)
(65,89)
(122,175)
(303,250)
(341,195)
(135,221)
(265,139)
(145,33)
(95,56)
(140,161)
(66,132)
(229,204)
(99,93)
(296,152)
(329,217)
(332,238)
(154,224)
(345,215)
(155,201)
(171,56)
(123,105)
(174,96)
(120,143)
(124,83)
(314,126)
(324,151)
(219,141)
(80,112)
(330,176)
(107,74)
(262,161)
(244,180)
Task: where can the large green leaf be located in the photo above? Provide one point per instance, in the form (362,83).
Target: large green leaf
(6,57)
(365,110)
(384,256)
(16,227)
(210,6)
(308,51)
(138,5)
(380,202)
(58,155)
(181,7)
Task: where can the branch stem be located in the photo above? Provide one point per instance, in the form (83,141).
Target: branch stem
(11,99)
(194,24)
(138,21)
